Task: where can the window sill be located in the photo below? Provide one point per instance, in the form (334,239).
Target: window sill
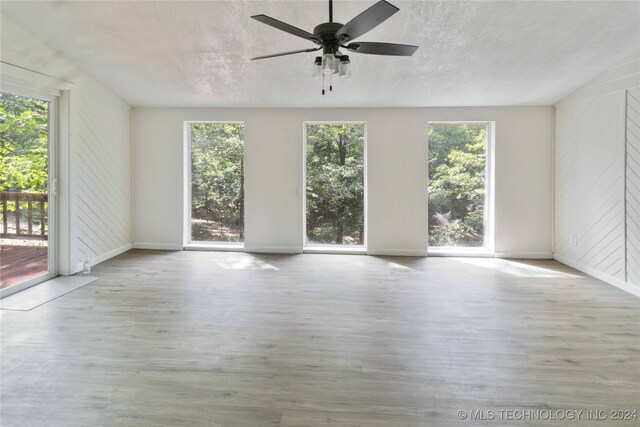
(215,246)
(460,252)
(335,249)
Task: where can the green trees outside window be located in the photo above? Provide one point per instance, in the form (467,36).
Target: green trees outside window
(217,182)
(335,183)
(457,184)
(24,144)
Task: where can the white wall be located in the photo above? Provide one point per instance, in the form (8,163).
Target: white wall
(397,175)
(95,177)
(590,174)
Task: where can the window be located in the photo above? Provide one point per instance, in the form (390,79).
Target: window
(335,184)
(217,182)
(458,187)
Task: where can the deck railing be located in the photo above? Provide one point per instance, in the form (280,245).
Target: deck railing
(34,202)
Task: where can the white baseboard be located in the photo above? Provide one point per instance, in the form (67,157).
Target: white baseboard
(274,250)
(398,252)
(634,290)
(101,258)
(524,255)
(157,246)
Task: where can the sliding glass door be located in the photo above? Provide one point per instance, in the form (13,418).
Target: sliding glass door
(26,255)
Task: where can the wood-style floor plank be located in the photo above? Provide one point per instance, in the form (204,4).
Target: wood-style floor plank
(233,339)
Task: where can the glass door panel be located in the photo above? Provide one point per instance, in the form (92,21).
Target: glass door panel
(24,189)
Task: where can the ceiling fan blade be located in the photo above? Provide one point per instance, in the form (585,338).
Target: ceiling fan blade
(366,21)
(313,49)
(373,48)
(283,26)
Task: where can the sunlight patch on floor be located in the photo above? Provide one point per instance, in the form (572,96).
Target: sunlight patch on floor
(515,268)
(399,266)
(243,261)
(42,293)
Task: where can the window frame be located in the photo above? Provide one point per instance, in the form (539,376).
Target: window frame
(487,248)
(188,243)
(334,248)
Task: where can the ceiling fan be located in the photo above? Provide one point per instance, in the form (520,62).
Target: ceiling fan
(331,36)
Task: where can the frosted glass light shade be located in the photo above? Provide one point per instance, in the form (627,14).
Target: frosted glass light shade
(317,70)
(344,69)
(328,63)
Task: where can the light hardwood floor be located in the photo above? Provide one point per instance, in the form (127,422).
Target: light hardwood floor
(233,339)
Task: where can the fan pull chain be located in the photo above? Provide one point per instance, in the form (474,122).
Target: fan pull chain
(330,83)
(323,83)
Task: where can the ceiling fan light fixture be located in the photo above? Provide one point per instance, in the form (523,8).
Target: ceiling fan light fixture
(344,67)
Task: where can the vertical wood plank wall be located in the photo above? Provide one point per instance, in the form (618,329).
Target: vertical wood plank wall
(633,186)
(597,177)
(589,201)
(101,179)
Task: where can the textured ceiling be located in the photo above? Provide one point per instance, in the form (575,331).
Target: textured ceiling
(196,54)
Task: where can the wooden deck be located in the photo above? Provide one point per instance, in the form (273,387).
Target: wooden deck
(19,263)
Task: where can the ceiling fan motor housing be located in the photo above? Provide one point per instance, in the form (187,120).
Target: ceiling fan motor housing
(327,33)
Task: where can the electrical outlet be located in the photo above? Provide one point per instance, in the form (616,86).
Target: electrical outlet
(574,239)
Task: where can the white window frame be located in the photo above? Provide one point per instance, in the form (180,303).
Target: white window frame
(335,248)
(488,248)
(53,192)
(188,243)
